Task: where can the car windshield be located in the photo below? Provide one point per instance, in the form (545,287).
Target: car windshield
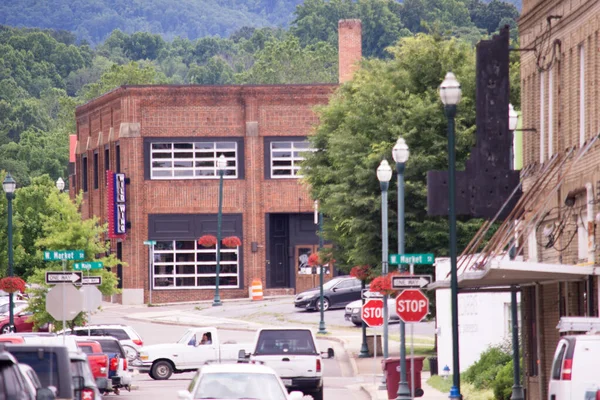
(225,385)
(293,341)
(330,284)
(43,363)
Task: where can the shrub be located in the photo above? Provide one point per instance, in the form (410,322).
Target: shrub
(484,371)
(503,383)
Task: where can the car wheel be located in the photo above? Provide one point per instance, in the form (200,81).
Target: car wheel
(318,394)
(161,370)
(6,329)
(130,352)
(325,304)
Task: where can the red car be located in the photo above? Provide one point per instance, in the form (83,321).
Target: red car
(21,321)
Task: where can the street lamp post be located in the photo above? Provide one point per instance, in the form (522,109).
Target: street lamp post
(9,185)
(400,153)
(221,164)
(60,184)
(384,174)
(517,389)
(322,329)
(450,94)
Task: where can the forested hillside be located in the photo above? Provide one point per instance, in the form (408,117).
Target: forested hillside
(45,73)
(92,21)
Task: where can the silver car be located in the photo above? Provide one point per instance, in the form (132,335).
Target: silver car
(352,312)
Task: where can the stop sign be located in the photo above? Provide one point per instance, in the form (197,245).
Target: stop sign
(412,305)
(372,312)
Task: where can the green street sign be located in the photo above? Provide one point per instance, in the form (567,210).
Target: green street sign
(87,265)
(149,242)
(426,258)
(63,255)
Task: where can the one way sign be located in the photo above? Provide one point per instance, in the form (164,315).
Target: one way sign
(63,277)
(410,281)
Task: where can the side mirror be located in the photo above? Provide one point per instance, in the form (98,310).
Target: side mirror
(45,394)
(330,353)
(242,355)
(184,395)
(78,382)
(334,289)
(295,395)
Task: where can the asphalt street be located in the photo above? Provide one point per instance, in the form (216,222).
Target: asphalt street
(339,382)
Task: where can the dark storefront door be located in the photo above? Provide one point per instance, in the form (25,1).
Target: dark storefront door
(279,261)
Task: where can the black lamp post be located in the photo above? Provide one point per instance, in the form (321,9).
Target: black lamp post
(9,185)
(364,348)
(384,174)
(221,164)
(450,94)
(400,153)
(322,329)
(517,389)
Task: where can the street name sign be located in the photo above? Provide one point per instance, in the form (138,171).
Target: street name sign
(372,312)
(63,255)
(410,281)
(421,259)
(149,242)
(53,277)
(412,305)
(87,265)
(91,280)
(366,294)
(64,302)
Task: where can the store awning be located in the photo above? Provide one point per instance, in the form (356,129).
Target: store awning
(506,273)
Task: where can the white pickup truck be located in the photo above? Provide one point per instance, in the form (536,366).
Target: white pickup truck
(195,348)
(293,354)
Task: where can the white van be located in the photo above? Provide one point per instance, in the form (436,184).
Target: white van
(576,362)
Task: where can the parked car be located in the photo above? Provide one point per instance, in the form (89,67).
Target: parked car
(21,320)
(51,364)
(14,384)
(118,372)
(192,351)
(353,312)
(80,368)
(32,382)
(293,354)
(236,381)
(337,292)
(132,342)
(99,364)
(17,304)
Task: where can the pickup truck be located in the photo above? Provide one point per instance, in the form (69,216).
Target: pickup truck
(98,363)
(195,348)
(293,354)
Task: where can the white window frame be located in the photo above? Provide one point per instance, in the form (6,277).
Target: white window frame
(542,119)
(582,237)
(508,318)
(581,95)
(159,263)
(218,148)
(550,112)
(532,254)
(295,158)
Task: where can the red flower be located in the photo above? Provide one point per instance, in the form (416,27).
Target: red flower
(313,260)
(383,285)
(207,240)
(361,272)
(12,284)
(232,241)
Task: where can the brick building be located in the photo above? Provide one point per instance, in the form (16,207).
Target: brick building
(146,162)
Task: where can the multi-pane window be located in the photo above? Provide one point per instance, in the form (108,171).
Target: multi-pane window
(184,264)
(197,160)
(581,95)
(286,158)
(84,173)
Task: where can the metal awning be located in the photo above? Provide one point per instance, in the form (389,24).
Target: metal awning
(506,273)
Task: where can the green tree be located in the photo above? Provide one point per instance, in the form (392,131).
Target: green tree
(215,72)
(285,61)
(62,227)
(358,129)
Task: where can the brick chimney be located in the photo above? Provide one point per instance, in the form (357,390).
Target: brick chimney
(349,47)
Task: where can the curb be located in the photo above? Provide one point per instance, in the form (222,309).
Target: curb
(228,328)
(236,300)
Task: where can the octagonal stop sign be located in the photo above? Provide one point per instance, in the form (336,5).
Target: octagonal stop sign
(372,312)
(412,305)
(64,301)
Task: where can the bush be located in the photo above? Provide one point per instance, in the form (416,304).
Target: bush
(503,383)
(484,371)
